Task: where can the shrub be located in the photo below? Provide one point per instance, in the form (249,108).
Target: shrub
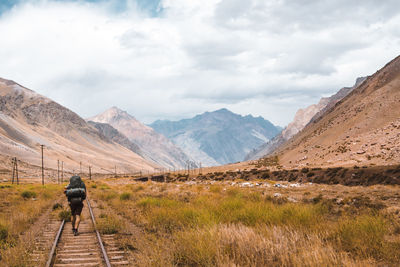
(110,224)
(28,194)
(310,174)
(265,175)
(125,196)
(304,170)
(65,215)
(3,233)
(57,206)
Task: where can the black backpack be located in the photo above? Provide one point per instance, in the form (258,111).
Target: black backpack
(76,190)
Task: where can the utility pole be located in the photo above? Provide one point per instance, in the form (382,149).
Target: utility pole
(62,171)
(16,169)
(58,171)
(115,169)
(41,146)
(13,171)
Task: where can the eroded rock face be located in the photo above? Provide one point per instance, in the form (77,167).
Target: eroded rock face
(154,146)
(301,119)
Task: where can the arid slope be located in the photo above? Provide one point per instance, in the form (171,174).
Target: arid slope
(363,128)
(28,120)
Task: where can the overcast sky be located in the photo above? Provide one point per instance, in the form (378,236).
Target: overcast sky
(173,59)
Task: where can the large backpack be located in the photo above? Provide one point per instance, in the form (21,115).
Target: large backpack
(76,190)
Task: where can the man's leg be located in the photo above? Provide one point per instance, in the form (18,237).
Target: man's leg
(77,221)
(73,219)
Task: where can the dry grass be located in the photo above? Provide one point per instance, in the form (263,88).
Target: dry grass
(218,225)
(20,207)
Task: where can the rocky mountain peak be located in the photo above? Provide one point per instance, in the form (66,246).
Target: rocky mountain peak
(112,114)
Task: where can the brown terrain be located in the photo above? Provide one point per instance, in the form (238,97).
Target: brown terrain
(28,120)
(363,128)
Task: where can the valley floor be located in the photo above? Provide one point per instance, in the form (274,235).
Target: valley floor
(232,222)
(252,223)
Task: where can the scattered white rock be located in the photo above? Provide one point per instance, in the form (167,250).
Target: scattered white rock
(277,195)
(295,185)
(246,184)
(280,185)
(290,199)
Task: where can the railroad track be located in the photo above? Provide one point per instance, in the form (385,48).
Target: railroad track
(86,249)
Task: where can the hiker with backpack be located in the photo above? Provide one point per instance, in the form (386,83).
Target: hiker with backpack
(76,194)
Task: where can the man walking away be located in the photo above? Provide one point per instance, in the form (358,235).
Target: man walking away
(76,193)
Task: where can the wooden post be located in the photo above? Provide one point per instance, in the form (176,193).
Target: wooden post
(115,169)
(41,146)
(58,171)
(62,171)
(13,171)
(80,168)
(16,169)
(90,172)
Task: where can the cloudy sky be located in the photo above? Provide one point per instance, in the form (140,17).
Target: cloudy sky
(172,59)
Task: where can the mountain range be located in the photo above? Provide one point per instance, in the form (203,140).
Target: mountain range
(152,146)
(29,120)
(218,137)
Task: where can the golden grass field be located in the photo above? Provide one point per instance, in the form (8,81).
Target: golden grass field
(220,223)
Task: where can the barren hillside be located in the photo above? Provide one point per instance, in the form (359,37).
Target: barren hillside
(363,128)
(28,120)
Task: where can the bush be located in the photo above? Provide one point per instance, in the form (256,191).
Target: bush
(109,224)
(57,206)
(3,233)
(304,170)
(65,215)
(310,174)
(28,194)
(125,196)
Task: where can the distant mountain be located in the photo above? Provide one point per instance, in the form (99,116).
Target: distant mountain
(301,119)
(154,146)
(28,120)
(113,134)
(363,128)
(218,137)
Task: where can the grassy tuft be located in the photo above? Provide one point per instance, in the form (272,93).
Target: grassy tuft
(28,194)
(109,224)
(125,196)
(65,214)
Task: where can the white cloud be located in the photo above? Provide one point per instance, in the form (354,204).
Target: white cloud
(266,58)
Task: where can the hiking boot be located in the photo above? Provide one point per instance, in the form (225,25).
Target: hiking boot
(75,232)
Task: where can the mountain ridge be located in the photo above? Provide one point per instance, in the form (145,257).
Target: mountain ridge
(28,120)
(301,119)
(361,128)
(217,137)
(155,147)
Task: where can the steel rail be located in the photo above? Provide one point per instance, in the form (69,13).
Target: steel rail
(103,250)
(54,246)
